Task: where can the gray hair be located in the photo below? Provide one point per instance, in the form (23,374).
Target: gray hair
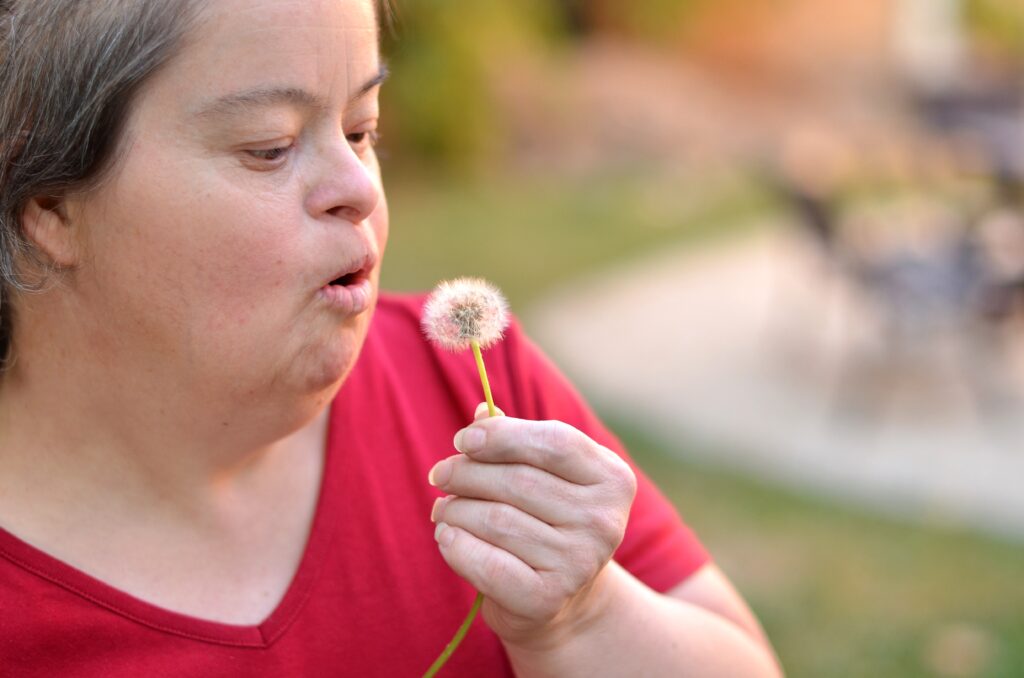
(69,70)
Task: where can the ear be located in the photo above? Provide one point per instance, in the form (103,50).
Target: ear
(47,225)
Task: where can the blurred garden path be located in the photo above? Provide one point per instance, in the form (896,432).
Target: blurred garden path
(751,354)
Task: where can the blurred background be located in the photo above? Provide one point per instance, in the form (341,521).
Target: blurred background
(780,246)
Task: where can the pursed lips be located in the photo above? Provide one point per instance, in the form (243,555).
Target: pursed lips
(354,272)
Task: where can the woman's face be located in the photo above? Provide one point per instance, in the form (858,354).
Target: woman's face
(248,184)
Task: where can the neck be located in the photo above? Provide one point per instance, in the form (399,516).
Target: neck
(91,431)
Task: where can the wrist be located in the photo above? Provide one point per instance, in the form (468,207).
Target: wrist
(591,616)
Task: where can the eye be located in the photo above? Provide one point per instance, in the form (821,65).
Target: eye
(266,159)
(269,154)
(363,140)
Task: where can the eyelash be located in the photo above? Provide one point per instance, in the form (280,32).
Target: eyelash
(269,154)
(362,141)
(371,138)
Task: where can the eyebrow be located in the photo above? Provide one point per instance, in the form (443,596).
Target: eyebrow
(260,97)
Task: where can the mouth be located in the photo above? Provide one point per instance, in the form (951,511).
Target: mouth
(353,278)
(354,274)
(350,291)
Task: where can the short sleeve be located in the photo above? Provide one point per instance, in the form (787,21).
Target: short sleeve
(658,548)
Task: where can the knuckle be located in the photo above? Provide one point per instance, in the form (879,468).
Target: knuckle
(606,524)
(493,569)
(556,437)
(622,480)
(501,519)
(523,480)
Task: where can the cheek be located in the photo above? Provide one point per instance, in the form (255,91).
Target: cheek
(240,266)
(210,260)
(236,286)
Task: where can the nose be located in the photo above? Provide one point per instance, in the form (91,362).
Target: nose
(346,186)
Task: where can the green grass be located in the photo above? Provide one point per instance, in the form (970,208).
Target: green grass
(527,235)
(845,593)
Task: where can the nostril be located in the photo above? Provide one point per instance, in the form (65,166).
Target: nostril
(345,212)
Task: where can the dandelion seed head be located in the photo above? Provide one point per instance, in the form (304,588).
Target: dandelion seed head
(461,310)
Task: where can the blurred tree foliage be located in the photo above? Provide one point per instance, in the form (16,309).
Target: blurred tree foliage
(440,107)
(443,110)
(651,21)
(1000,23)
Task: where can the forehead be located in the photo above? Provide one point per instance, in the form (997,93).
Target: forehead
(328,47)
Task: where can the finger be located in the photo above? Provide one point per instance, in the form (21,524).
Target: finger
(550,445)
(494,572)
(532,541)
(530,489)
(482,412)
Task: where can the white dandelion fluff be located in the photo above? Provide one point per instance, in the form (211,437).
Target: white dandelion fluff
(461,311)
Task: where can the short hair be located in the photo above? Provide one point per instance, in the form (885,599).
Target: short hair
(69,71)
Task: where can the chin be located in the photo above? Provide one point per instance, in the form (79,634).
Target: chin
(330,379)
(327,365)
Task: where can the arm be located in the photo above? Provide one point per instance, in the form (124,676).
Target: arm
(635,631)
(536,511)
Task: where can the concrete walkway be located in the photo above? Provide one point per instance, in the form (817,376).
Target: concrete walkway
(771,364)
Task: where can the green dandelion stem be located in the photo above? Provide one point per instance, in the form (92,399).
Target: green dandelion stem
(492,411)
(459,635)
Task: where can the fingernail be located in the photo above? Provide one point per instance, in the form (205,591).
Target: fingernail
(441,473)
(436,508)
(470,439)
(442,535)
(483,411)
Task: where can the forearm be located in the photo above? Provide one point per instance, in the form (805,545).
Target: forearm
(631,630)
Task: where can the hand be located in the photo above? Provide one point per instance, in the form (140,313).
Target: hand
(535,512)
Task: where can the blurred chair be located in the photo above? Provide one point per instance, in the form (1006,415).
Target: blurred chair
(945,297)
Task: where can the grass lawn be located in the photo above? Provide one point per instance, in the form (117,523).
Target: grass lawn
(845,593)
(528,234)
(841,592)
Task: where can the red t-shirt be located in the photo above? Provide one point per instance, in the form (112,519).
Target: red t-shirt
(372,595)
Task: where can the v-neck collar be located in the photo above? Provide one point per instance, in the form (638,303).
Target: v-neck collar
(263,634)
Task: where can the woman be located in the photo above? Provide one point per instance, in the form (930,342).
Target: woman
(197,477)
